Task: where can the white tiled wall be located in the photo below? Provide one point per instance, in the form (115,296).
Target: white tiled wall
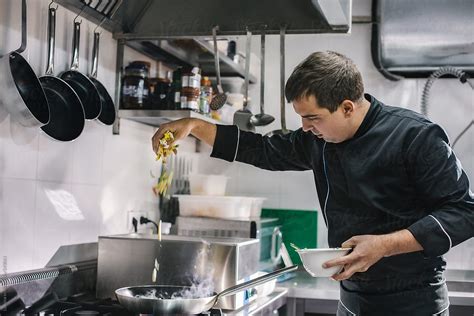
(54,193)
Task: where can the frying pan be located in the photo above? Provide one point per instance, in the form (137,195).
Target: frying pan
(22,95)
(81,84)
(127,297)
(108,112)
(67,115)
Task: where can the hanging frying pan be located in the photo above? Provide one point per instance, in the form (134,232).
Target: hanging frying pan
(81,84)
(22,95)
(108,113)
(67,115)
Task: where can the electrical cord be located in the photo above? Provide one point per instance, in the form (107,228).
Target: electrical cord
(462,133)
(447,70)
(144,220)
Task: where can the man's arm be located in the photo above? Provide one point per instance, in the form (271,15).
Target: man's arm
(289,152)
(201,129)
(368,249)
(443,188)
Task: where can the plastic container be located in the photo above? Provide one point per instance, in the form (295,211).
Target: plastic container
(226,207)
(201,184)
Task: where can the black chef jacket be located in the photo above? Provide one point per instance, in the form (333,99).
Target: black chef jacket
(398,171)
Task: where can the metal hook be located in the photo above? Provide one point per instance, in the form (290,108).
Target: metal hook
(79,14)
(50,5)
(99,25)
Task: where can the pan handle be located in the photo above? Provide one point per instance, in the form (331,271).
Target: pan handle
(95,54)
(51,40)
(23,28)
(257,281)
(75,44)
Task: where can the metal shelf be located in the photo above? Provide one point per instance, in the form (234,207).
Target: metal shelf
(189,52)
(158,117)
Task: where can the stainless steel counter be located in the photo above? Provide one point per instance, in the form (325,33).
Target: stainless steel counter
(263,305)
(460,284)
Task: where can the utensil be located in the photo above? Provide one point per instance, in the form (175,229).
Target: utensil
(283,130)
(262,119)
(127,296)
(81,84)
(294,246)
(108,112)
(220,98)
(67,115)
(23,96)
(242,117)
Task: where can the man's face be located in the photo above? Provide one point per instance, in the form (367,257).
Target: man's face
(332,127)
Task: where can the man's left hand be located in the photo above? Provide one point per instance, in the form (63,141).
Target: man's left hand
(367,250)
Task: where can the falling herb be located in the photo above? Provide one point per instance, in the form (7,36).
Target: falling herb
(165,149)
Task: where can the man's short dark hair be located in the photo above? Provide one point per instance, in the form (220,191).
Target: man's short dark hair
(329,76)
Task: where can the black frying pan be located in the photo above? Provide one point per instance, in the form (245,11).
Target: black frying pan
(82,85)
(21,93)
(107,115)
(66,113)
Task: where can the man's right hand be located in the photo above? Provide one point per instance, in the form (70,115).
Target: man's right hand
(182,128)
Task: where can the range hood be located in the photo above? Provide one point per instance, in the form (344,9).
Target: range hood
(162,19)
(414,38)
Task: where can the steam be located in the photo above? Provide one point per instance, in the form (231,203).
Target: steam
(202,283)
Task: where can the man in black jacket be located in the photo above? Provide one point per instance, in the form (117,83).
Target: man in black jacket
(389,185)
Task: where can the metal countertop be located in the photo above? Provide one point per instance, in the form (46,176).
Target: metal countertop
(460,283)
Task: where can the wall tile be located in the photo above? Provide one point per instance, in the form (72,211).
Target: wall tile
(19,153)
(55,160)
(17,224)
(88,151)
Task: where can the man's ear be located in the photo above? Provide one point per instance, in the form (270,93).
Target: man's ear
(347,107)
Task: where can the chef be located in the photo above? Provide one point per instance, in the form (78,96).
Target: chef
(387,180)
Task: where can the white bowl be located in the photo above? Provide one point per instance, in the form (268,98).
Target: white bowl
(313,260)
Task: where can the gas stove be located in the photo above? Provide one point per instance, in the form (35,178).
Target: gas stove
(84,304)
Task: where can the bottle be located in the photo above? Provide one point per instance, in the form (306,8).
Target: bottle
(174,98)
(191,89)
(206,96)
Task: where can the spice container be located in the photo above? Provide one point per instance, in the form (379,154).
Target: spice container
(206,95)
(191,89)
(135,86)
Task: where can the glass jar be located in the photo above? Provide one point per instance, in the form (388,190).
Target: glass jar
(191,89)
(205,96)
(135,87)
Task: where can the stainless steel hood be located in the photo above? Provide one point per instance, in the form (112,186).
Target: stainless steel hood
(414,38)
(155,19)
